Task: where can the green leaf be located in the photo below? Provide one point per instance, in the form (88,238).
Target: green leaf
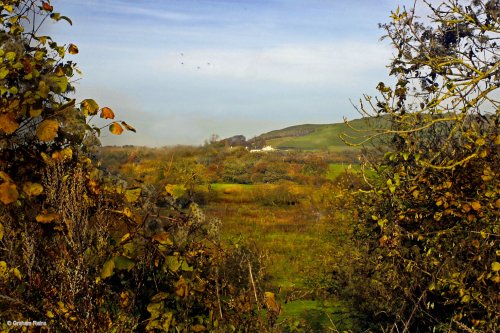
(155,309)
(3,72)
(61,82)
(10,56)
(122,262)
(107,269)
(176,191)
(172,263)
(89,107)
(133,194)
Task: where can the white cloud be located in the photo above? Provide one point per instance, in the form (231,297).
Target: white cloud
(341,63)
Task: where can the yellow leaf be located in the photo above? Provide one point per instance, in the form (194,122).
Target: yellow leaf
(198,328)
(115,128)
(72,49)
(133,194)
(63,155)
(163,238)
(127,212)
(32,189)
(16,273)
(8,193)
(3,271)
(181,288)
(495,266)
(125,238)
(8,123)
(1,231)
(49,314)
(46,217)
(128,127)
(107,269)
(47,130)
(107,113)
(5,177)
(476,205)
(35,113)
(271,303)
(175,191)
(89,107)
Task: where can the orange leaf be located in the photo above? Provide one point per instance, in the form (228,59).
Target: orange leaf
(46,217)
(115,128)
(128,127)
(47,7)
(107,113)
(476,205)
(47,130)
(32,189)
(8,123)
(8,193)
(72,49)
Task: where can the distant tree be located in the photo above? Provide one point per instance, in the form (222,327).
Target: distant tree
(429,224)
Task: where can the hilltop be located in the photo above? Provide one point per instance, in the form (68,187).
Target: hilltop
(312,136)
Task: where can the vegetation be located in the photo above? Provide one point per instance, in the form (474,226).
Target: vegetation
(429,224)
(217,238)
(82,251)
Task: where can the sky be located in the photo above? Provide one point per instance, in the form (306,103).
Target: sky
(182,70)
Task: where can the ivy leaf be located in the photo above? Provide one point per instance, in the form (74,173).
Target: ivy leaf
(107,269)
(89,107)
(107,113)
(73,49)
(115,128)
(128,127)
(8,193)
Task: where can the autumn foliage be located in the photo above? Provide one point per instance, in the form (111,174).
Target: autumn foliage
(86,252)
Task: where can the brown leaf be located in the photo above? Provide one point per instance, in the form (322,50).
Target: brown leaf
(72,49)
(128,127)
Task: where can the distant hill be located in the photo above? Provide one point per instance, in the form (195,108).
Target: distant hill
(318,136)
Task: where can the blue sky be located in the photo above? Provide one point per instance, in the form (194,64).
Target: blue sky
(181,70)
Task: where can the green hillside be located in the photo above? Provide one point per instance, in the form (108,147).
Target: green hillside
(320,137)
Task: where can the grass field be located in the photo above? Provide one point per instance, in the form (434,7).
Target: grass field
(297,240)
(319,137)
